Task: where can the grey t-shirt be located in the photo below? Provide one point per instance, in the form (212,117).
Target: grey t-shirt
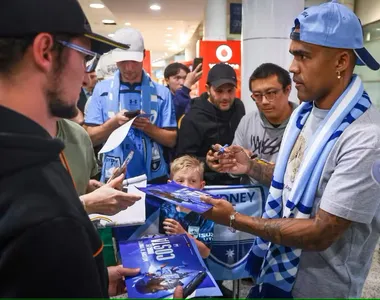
(255,133)
(346,189)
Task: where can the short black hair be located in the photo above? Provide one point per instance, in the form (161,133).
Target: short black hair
(13,49)
(174,68)
(268,69)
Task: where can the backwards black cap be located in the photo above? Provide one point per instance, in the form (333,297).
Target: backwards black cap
(20,18)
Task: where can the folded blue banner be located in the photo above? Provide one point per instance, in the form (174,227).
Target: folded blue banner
(229,250)
(179,195)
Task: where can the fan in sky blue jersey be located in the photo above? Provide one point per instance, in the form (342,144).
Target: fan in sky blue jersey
(132,89)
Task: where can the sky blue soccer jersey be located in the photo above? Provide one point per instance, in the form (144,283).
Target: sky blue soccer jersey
(148,155)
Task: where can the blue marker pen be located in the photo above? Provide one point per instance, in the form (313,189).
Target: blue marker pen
(221,150)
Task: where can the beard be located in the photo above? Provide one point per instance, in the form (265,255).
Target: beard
(58,107)
(131,76)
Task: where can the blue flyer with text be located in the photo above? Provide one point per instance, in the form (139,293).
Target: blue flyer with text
(179,195)
(165,263)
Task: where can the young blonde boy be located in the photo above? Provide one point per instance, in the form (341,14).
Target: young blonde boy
(187,171)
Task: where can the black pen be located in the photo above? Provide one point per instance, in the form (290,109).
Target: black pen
(194,283)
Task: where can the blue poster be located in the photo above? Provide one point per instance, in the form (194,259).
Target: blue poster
(165,263)
(229,250)
(179,195)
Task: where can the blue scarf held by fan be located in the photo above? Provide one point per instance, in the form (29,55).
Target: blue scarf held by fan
(148,155)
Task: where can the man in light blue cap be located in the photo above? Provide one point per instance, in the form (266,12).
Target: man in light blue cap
(321,221)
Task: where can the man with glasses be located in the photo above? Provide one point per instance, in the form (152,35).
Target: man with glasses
(212,119)
(260,132)
(49,247)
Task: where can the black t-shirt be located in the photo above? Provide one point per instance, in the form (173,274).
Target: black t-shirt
(49,247)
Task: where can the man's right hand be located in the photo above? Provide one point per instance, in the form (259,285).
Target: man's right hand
(212,160)
(108,201)
(178,292)
(193,77)
(120,118)
(234,160)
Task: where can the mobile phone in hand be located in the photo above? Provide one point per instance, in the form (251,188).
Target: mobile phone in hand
(122,169)
(194,283)
(197,61)
(131,114)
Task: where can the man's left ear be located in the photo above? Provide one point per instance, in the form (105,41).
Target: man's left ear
(144,53)
(343,61)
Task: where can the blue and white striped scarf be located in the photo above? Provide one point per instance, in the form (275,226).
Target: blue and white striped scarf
(275,266)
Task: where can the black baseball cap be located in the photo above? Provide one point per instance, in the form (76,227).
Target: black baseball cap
(20,18)
(221,74)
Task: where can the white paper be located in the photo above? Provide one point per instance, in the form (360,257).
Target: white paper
(117,137)
(134,215)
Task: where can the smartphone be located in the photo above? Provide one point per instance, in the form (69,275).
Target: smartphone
(122,169)
(131,114)
(193,284)
(196,62)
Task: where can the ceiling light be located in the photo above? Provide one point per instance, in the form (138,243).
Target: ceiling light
(155,7)
(106,21)
(96,5)
(127,24)
(111,35)
(168,34)
(378,29)
(169,28)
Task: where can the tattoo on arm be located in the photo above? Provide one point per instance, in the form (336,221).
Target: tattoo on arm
(315,234)
(262,173)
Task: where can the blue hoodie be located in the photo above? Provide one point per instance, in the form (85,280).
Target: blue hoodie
(181,99)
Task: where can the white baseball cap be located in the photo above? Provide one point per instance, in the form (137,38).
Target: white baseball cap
(132,37)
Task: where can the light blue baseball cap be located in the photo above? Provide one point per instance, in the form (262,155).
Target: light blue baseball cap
(333,25)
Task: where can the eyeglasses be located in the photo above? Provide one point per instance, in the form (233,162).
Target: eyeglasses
(91,58)
(270,96)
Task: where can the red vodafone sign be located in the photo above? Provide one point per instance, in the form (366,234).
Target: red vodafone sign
(224,53)
(214,52)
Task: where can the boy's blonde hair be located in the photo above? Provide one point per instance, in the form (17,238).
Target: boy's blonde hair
(187,162)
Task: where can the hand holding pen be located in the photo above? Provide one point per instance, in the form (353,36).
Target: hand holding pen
(213,155)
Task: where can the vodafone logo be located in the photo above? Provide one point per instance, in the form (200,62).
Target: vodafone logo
(224,53)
